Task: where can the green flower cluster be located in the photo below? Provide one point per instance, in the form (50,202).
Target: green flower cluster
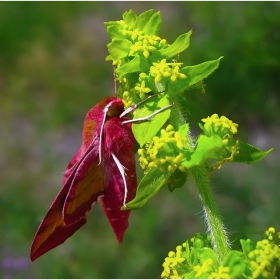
(222,126)
(160,75)
(136,35)
(170,155)
(140,54)
(166,70)
(213,272)
(265,258)
(174,263)
(225,129)
(165,151)
(195,259)
(171,150)
(145,64)
(145,44)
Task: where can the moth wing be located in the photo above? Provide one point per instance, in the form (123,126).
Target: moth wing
(72,165)
(52,230)
(121,167)
(87,186)
(78,188)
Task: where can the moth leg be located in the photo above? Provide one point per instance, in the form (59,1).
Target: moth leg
(122,171)
(147,118)
(132,108)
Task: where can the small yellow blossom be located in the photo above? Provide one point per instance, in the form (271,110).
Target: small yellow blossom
(142,89)
(163,69)
(221,273)
(205,267)
(151,156)
(173,263)
(264,257)
(145,44)
(176,74)
(224,128)
(127,100)
(221,126)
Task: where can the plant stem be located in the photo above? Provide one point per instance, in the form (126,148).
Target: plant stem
(212,218)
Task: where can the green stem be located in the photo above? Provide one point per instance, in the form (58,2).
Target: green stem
(212,218)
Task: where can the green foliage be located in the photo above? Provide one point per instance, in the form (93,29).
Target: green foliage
(195,259)
(249,154)
(146,64)
(144,58)
(195,75)
(148,187)
(144,131)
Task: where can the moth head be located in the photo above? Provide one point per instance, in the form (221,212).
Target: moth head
(114,108)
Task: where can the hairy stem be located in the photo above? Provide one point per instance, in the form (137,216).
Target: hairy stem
(212,218)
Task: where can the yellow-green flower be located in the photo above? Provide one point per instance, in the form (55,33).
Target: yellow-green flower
(127,100)
(142,89)
(264,258)
(176,73)
(164,151)
(222,126)
(172,265)
(270,233)
(203,268)
(145,44)
(221,273)
(163,69)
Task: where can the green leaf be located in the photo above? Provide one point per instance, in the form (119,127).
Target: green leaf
(248,153)
(129,17)
(198,243)
(180,44)
(186,253)
(184,130)
(247,246)
(148,187)
(108,57)
(109,23)
(203,128)
(207,253)
(194,75)
(115,32)
(234,260)
(177,180)
(142,19)
(154,25)
(119,49)
(137,64)
(206,148)
(145,130)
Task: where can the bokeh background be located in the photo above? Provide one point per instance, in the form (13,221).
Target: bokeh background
(52,71)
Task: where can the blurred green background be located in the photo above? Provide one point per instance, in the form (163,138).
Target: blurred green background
(52,71)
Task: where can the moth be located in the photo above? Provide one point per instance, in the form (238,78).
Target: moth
(102,169)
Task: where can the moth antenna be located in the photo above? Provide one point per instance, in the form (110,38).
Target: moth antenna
(132,108)
(121,169)
(149,117)
(101,133)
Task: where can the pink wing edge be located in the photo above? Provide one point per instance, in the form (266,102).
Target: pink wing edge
(52,231)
